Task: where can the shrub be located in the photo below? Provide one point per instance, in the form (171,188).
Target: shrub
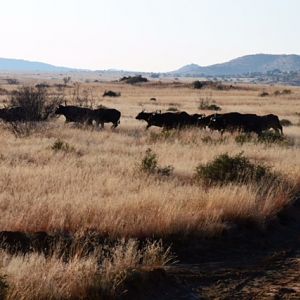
(66,80)
(149,165)
(12,81)
(277,93)
(206,105)
(264,94)
(283,92)
(286,92)
(149,162)
(286,122)
(225,169)
(36,103)
(198,84)
(134,79)
(60,145)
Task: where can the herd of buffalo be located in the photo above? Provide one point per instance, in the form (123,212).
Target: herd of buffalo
(232,121)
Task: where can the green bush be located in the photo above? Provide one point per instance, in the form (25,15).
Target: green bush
(134,79)
(60,145)
(264,94)
(198,84)
(225,169)
(149,162)
(205,105)
(36,103)
(150,165)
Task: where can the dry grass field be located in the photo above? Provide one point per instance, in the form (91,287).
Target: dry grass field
(94,183)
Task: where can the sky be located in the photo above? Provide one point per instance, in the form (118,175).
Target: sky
(146,35)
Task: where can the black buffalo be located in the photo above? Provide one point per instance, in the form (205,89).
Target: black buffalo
(169,120)
(205,120)
(13,114)
(106,115)
(145,116)
(235,121)
(75,114)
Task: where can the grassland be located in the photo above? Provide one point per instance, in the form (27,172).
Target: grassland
(95,184)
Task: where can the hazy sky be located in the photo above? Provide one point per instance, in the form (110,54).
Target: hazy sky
(146,35)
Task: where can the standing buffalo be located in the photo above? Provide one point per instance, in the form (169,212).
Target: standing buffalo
(75,114)
(106,115)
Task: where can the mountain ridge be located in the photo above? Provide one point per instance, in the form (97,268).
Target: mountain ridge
(22,65)
(253,63)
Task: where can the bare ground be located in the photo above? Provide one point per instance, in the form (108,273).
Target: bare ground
(249,265)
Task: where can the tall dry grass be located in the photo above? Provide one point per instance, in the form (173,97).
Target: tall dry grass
(94,183)
(96,276)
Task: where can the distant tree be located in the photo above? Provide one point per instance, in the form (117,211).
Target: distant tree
(66,80)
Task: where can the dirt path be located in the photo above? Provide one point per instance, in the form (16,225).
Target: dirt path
(277,277)
(250,265)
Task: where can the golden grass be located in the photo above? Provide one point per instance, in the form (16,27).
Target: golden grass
(96,276)
(98,186)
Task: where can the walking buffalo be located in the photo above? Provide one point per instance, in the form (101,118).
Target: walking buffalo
(235,121)
(169,120)
(75,114)
(106,115)
(13,114)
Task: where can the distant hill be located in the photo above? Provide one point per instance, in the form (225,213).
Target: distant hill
(20,65)
(261,63)
(257,63)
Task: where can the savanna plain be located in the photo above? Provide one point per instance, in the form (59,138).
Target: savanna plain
(136,205)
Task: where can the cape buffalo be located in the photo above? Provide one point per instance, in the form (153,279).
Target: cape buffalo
(169,120)
(75,114)
(244,122)
(13,114)
(145,116)
(106,115)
